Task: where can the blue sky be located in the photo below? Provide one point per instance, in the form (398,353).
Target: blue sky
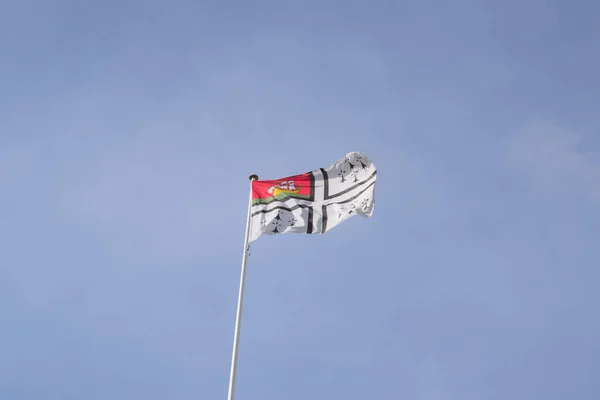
(128,131)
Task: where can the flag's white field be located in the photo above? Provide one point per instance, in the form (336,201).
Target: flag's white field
(314,202)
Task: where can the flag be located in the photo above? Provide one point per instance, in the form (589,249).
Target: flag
(316,201)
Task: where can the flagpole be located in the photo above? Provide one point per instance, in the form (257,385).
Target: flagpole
(238,317)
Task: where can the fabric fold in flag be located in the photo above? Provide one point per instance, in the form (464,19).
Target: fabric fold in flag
(316,201)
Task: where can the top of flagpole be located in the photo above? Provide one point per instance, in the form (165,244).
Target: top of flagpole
(253,177)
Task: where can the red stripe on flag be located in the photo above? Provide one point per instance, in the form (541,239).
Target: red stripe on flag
(298,186)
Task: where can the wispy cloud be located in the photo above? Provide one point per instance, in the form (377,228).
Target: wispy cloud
(17,160)
(153,195)
(556,159)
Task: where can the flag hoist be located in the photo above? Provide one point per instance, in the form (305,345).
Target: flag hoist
(309,203)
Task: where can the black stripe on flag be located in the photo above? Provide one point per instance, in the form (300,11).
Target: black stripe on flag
(312,186)
(325,183)
(326,186)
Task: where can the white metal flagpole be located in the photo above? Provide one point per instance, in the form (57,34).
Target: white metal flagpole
(238,317)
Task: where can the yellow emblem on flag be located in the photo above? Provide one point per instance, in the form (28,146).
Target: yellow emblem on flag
(278,191)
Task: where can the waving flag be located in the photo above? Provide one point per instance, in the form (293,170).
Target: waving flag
(316,201)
